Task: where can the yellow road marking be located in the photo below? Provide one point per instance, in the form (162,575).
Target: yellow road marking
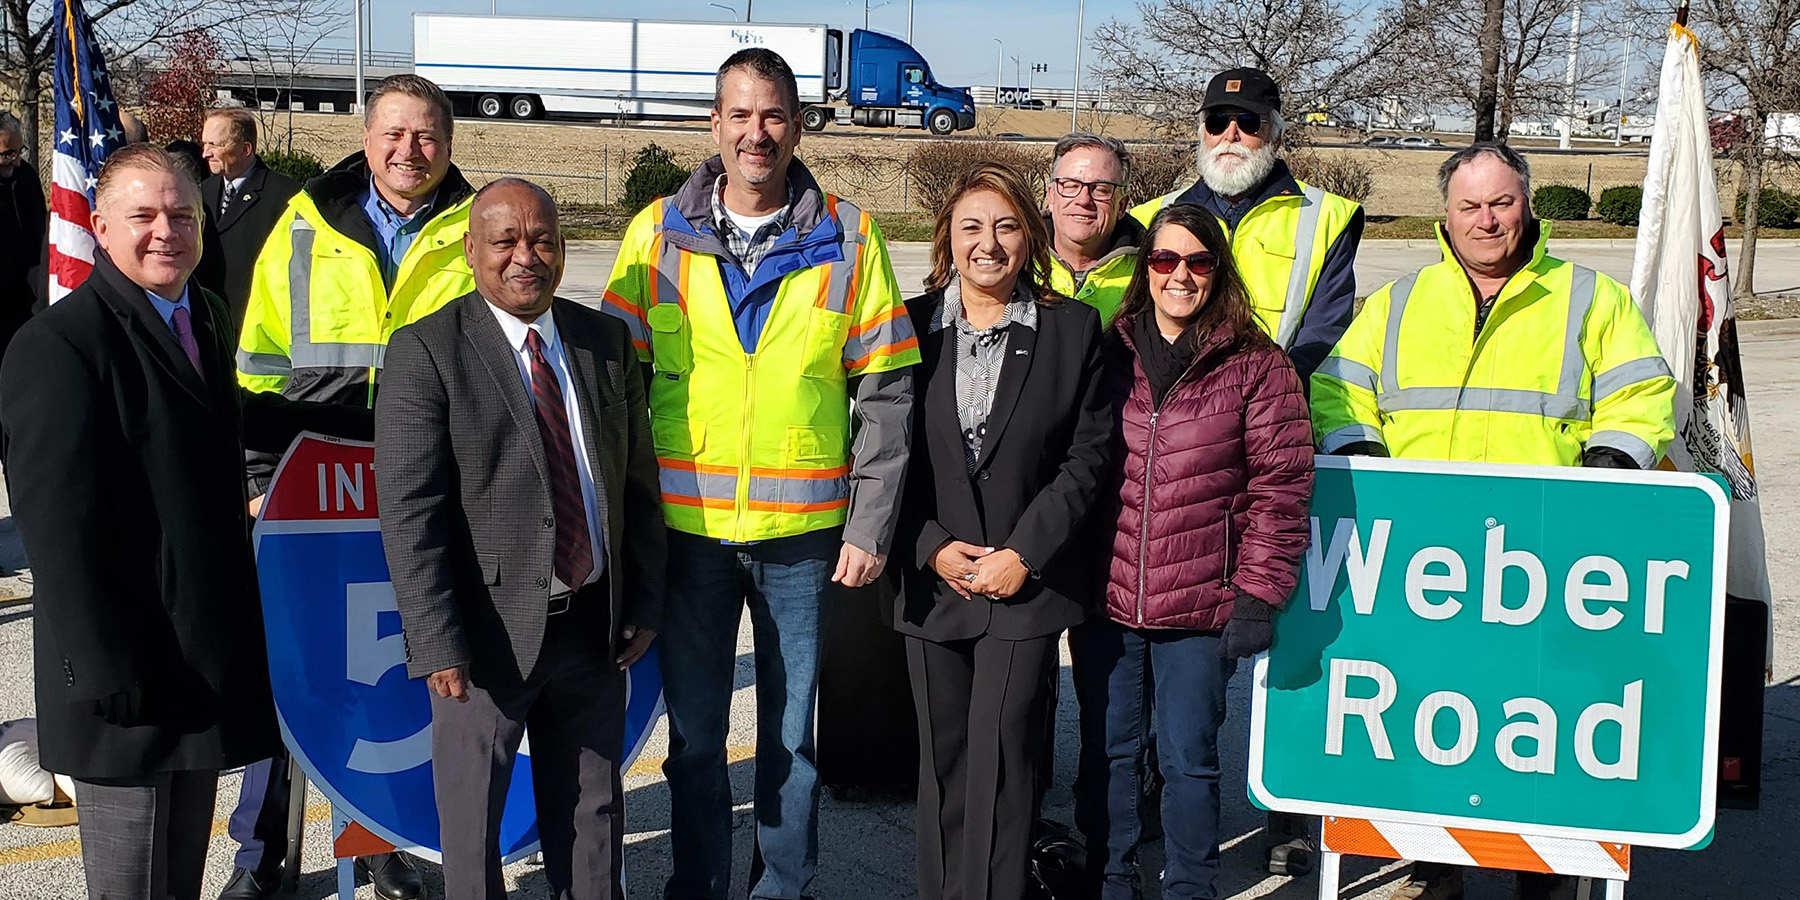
(317,812)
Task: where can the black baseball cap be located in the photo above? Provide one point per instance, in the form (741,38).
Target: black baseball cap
(1246,88)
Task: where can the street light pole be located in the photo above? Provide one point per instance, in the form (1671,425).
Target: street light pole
(909,12)
(1568,131)
(999,60)
(1624,67)
(356,103)
(1075,101)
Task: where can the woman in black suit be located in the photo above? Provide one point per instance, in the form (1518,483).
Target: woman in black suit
(1011,436)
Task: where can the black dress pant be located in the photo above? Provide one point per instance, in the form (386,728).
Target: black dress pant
(574,704)
(982,705)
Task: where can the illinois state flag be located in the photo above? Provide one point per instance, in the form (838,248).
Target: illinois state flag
(87,129)
(1679,279)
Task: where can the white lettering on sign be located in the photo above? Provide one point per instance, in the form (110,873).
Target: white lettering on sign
(367,657)
(1467,728)
(1365,566)
(1630,717)
(1540,728)
(341,488)
(1658,574)
(1577,591)
(1455,580)
(1499,559)
(1341,705)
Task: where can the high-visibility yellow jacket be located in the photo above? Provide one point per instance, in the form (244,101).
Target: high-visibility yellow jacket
(1280,247)
(1564,362)
(755,445)
(319,316)
(1104,287)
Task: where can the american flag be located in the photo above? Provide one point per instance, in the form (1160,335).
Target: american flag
(87,129)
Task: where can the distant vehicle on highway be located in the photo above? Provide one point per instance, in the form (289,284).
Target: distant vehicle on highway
(1379,140)
(1419,142)
(524,67)
(1031,104)
(1010,136)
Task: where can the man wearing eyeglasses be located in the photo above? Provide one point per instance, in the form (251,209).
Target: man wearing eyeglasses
(1294,243)
(1093,248)
(22,220)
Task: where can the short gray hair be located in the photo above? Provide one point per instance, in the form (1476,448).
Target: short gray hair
(1077,140)
(765,64)
(10,124)
(418,88)
(1497,150)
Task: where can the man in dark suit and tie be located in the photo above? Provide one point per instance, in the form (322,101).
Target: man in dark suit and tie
(243,197)
(122,430)
(522,518)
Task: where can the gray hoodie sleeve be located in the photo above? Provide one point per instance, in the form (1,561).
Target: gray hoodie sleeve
(881,441)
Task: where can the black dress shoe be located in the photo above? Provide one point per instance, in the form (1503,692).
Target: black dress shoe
(392,875)
(245,884)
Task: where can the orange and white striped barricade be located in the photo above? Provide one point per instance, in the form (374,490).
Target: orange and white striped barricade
(1585,859)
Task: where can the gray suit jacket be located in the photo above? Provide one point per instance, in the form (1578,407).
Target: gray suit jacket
(465,491)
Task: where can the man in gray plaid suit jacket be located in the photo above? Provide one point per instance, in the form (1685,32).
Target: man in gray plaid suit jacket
(523,525)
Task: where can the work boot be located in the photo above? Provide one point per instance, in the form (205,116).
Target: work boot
(1291,847)
(246,884)
(392,875)
(1432,881)
(1537,886)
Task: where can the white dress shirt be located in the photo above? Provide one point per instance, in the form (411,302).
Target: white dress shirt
(545,326)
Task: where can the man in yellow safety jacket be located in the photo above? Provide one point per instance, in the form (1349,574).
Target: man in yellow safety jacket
(761,305)
(1093,248)
(1500,353)
(371,245)
(1294,243)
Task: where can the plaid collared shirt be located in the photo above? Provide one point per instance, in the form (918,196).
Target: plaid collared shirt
(749,249)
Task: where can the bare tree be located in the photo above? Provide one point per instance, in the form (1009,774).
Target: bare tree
(271,42)
(1522,57)
(1747,52)
(123,27)
(1308,46)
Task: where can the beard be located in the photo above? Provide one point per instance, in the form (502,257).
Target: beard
(1232,171)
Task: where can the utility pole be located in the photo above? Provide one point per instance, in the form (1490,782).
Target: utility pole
(1624,67)
(1075,100)
(1031,79)
(999,60)
(1017,100)
(1568,130)
(909,12)
(356,103)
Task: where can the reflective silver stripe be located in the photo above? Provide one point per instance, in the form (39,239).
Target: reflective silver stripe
(1348,371)
(1312,204)
(1620,377)
(799,490)
(339,356)
(301,236)
(1350,434)
(843,272)
(1581,300)
(263,364)
(1390,348)
(688,483)
(1483,399)
(1625,442)
(667,288)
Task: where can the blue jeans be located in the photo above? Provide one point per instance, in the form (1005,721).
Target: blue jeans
(783,581)
(1127,680)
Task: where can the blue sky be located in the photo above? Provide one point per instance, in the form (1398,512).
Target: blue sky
(955,37)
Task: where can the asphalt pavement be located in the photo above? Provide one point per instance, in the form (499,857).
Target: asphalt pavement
(866,844)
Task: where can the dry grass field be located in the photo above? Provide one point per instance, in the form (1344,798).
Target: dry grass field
(587,163)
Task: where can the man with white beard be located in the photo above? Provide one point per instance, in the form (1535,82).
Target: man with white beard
(1294,244)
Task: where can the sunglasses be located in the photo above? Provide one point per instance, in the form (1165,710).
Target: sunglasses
(1247,122)
(1163,262)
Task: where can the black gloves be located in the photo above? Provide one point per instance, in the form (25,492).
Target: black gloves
(124,709)
(1251,629)
(1362,448)
(1606,458)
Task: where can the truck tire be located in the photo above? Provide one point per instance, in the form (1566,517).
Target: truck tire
(490,106)
(525,106)
(942,121)
(813,119)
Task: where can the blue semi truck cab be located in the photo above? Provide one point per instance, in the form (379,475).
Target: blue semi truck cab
(885,83)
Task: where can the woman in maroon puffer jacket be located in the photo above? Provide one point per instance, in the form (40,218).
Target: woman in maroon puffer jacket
(1215,471)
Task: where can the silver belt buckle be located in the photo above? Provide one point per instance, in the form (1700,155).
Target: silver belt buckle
(559,604)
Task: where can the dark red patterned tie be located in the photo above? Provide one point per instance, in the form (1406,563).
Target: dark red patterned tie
(574,550)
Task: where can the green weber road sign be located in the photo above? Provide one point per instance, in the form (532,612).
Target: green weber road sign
(1506,648)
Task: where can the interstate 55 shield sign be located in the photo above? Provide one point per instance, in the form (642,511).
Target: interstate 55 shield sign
(1507,648)
(358,726)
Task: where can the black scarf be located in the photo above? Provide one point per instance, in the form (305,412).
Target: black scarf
(1164,362)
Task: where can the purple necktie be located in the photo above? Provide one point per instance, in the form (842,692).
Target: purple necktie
(574,548)
(183,323)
